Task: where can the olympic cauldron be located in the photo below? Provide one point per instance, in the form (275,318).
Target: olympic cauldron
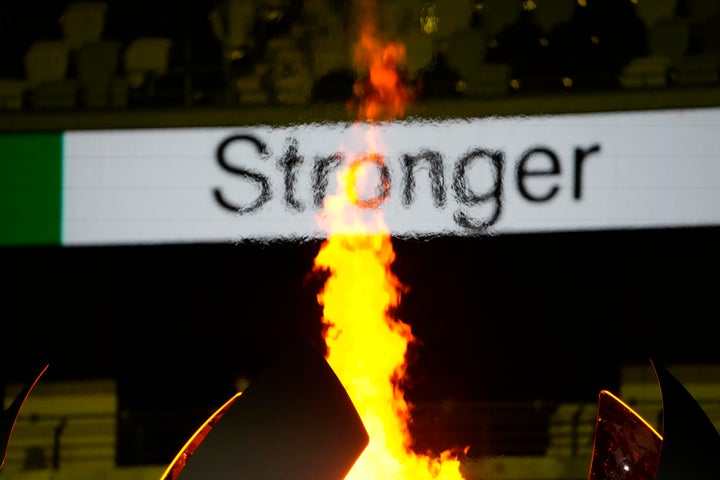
(296,421)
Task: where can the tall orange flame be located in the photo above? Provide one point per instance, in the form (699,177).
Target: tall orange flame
(383,94)
(366,344)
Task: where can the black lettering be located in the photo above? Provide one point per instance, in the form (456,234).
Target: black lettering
(580,156)
(383,189)
(466,196)
(321,171)
(261,180)
(437,177)
(289,163)
(523,171)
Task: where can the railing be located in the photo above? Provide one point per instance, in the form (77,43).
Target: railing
(51,441)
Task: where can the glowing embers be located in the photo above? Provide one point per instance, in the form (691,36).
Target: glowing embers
(626,446)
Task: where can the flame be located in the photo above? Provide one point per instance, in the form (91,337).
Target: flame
(383,94)
(366,344)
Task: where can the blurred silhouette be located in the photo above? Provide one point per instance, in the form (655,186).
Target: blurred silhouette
(83,22)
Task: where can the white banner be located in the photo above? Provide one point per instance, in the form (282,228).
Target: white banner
(463,177)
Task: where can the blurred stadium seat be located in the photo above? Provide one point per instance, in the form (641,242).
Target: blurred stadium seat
(668,43)
(670,38)
(454,15)
(233,22)
(83,22)
(46,68)
(99,60)
(646,72)
(97,69)
(101,53)
(290,72)
(550,13)
(146,59)
(465,54)
(652,11)
(708,34)
(46,61)
(329,44)
(696,70)
(496,15)
(703,9)
(12,93)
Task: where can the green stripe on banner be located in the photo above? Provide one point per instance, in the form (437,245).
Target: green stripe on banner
(30,188)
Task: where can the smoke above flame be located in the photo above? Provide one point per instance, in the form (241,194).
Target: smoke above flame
(366,343)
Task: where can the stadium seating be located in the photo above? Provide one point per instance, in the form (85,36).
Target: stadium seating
(467,48)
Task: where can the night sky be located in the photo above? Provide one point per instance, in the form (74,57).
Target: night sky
(506,317)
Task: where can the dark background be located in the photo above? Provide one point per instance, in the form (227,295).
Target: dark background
(507,317)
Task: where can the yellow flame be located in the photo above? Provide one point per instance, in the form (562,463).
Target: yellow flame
(366,344)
